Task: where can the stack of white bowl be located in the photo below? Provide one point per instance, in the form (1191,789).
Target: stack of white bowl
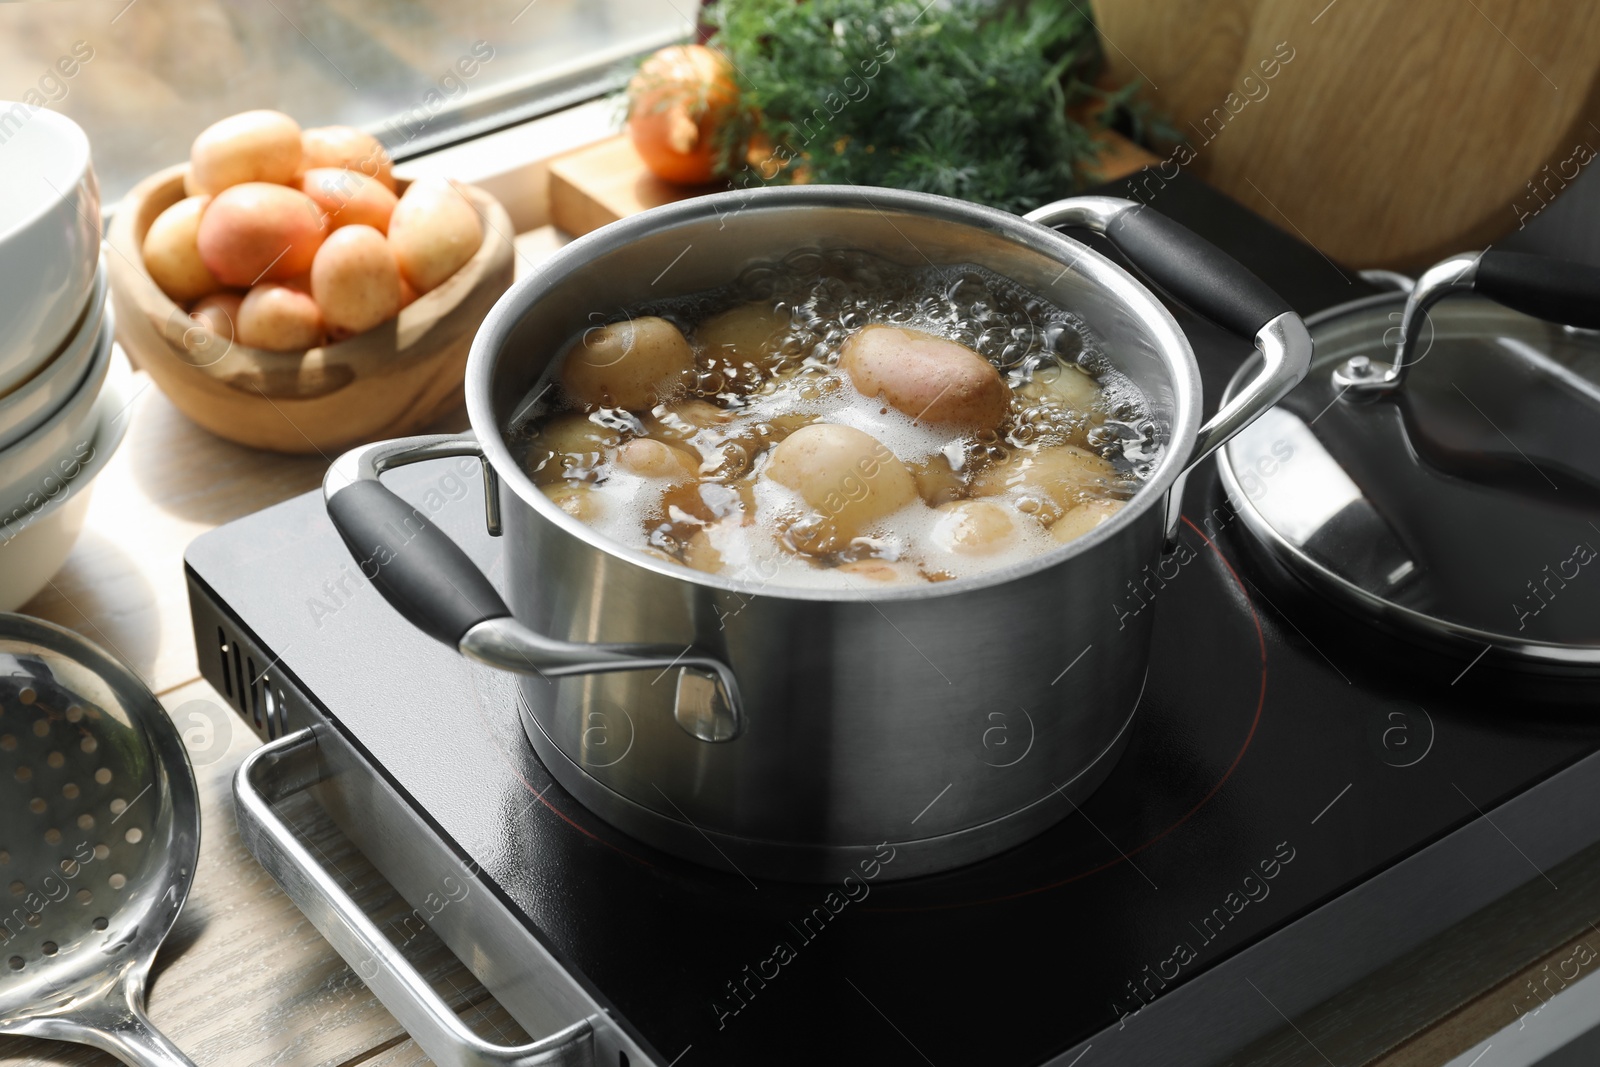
(62,396)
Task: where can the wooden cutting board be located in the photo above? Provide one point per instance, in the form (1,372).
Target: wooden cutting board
(607,181)
(1389,132)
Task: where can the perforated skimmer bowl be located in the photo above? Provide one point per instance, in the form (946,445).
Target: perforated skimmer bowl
(99,833)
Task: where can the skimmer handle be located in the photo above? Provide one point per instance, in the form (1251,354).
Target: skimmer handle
(114,1020)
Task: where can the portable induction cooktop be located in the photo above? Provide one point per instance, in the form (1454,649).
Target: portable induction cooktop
(1299,803)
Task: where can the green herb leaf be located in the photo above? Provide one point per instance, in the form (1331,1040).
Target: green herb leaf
(956,97)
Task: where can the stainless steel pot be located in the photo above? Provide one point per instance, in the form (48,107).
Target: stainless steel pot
(799,733)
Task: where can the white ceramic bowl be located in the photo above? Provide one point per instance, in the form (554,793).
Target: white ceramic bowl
(32,468)
(49,235)
(35,541)
(27,406)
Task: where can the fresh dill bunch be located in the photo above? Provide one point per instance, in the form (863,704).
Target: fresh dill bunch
(962,97)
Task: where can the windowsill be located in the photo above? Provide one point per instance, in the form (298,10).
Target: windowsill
(513,165)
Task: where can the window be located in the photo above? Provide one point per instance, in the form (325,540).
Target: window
(144,76)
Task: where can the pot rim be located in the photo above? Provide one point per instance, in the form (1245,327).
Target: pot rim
(1169,338)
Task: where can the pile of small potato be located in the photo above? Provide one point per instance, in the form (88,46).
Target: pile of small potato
(646,460)
(290,238)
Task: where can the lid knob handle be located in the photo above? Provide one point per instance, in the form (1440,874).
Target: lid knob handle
(1551,289)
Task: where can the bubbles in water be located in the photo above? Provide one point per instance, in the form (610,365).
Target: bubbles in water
(820,298)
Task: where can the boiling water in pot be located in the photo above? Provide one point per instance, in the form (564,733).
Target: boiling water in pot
(836,420)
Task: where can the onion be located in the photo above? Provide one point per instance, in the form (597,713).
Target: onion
(675,103)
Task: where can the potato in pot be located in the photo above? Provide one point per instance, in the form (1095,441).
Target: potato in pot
(1083,518)
(975,527)
(652,459)
(569,445)
(848,478)
(927,377)
(634,364)
(750,333)
(1050,482)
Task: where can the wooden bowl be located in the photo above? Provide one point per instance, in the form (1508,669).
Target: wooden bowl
(392,380)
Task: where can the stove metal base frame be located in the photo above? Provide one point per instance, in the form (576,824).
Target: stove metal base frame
(571,1024)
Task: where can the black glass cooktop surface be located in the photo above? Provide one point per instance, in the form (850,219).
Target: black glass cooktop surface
(1280,758)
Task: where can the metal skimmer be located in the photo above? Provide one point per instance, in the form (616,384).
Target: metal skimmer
(99,833)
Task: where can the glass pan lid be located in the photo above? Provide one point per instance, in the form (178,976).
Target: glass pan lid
(1465,508)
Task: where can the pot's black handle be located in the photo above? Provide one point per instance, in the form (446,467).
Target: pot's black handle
(419,570)
(1212,283)
(1556,290)
(1194,271)
(427,578)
